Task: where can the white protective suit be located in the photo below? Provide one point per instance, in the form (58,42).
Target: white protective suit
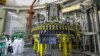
(7,42)
(15,46)
(21,46)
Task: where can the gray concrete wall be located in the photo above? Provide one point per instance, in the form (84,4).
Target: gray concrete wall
(2,20)
(15,20)
(18,20)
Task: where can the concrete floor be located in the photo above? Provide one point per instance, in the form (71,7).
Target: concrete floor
(27,52)
(30,52)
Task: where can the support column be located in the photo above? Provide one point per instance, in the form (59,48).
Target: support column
(60,46)
(38,47)
(34,48)
(41,49)
(65,53)
(70,48)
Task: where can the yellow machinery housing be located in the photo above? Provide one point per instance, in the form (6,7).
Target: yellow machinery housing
(63,33)
(55,34)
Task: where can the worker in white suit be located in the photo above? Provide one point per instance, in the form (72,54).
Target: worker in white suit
(7,42)
(15,46)
(21,45)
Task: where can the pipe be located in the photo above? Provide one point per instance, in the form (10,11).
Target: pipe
(23,7)
(96,22)
(31,13)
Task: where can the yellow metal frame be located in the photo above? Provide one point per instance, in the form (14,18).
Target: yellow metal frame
(64,40)
(65,44)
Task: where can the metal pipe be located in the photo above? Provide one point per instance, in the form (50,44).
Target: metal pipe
(89,26)
(31,13)
(96,22)
(23,7)
(93,30)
